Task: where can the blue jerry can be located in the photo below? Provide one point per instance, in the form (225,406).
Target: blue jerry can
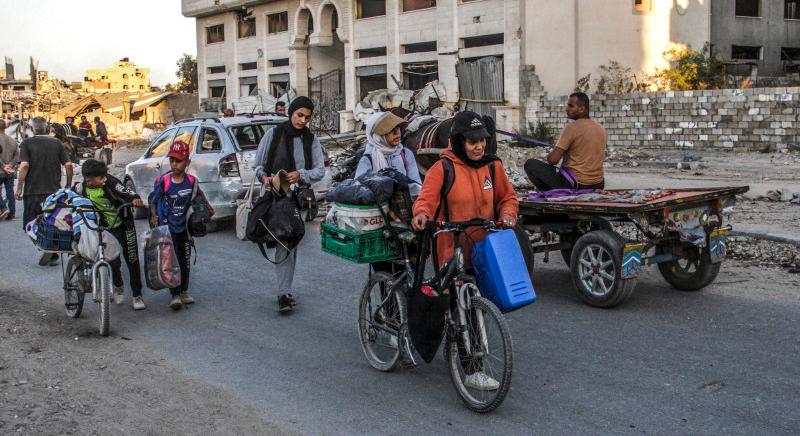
(501,272)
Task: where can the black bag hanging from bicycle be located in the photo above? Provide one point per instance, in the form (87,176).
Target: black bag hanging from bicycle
(275,219)
(426,307)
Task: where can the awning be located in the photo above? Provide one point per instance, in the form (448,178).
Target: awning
(273,78)
(252,80)
(371,70)
(216,83)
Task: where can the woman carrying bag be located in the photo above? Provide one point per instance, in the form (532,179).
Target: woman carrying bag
(291,147)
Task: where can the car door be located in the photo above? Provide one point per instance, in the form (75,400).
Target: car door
(247,138)
(144,171)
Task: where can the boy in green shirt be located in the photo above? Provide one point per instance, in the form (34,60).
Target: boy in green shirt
(108,193)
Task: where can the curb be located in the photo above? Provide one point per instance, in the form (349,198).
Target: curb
(783,239)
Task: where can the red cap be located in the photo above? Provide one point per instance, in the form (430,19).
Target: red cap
(179,150)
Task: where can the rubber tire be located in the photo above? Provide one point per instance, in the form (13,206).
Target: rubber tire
(390,364)
(705,274)
(104,285)
(614,244)
(74,266)
(451,357)
(566,253)
(139,213)
(525,246)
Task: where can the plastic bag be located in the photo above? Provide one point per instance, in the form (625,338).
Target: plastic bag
(160,260)
(89,242)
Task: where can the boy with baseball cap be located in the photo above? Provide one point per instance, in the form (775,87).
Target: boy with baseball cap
(173,193)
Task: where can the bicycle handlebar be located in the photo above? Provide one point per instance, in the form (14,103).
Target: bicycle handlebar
(83,209)
(459,226)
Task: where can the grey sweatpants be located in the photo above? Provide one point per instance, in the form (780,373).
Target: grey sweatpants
(284,271)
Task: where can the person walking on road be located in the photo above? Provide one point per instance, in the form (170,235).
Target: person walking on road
(582,145)
(291,147)
(41,158)
(9,159)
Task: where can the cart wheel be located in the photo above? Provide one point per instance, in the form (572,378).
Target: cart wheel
(596,265)
(692,270)
(566,253)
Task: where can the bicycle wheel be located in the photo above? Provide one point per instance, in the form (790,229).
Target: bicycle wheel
(493,359)
(381,314)
(74,286)
(103,283)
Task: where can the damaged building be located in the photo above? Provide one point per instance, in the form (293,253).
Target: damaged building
(128,114)
(489,55)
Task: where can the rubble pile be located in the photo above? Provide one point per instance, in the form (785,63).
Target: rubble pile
(764,253)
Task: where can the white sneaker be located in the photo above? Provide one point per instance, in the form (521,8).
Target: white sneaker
(119,294)
(481,382)
(185,297)
(138,303)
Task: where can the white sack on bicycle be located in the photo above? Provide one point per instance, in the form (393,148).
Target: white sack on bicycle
(89,244)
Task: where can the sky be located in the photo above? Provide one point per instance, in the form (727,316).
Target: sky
(68,37)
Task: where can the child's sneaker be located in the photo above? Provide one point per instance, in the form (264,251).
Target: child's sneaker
(185,298)
(138,303)
(175,303)
(119,294)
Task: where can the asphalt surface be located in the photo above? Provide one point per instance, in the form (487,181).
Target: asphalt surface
(721,361)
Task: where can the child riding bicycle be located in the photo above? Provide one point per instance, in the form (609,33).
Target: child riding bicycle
(107,194)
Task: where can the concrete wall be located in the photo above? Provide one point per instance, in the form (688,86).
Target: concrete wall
(770,31)
(751,119)
(571,38)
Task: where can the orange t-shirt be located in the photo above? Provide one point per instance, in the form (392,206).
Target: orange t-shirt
(584,144)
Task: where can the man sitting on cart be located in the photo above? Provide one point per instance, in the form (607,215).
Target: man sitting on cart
(581,149)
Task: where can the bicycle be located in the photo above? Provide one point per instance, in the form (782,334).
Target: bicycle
(476,333)
(82,276)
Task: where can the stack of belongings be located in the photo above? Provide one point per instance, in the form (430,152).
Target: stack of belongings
(69,223)
(362,205)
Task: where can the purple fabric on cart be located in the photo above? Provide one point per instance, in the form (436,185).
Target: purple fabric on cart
(557,193)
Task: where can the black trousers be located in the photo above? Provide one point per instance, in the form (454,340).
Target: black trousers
(183,249)
(546,177)
(33,206)
(130,252)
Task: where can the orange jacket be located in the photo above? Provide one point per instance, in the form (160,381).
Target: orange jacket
(472,196)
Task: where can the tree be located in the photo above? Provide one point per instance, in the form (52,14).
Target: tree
(616,79)
(689,69)
(187,74)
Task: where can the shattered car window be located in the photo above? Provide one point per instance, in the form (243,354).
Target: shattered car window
(248,136)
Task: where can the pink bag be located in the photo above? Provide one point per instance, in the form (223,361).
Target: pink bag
(160,260)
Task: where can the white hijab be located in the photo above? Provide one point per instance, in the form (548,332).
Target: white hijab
(382,148)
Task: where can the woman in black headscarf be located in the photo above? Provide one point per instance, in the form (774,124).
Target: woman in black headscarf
(290,146)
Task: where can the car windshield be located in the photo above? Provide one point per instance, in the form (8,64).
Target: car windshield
(249,135)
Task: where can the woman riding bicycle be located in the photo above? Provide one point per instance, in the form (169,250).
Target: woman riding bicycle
(476,187)
(477,190)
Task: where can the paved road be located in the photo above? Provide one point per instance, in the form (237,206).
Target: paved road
(721,361)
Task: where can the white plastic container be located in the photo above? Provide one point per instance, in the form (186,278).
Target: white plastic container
(360,219)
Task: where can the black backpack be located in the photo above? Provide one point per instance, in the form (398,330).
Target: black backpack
(275,219)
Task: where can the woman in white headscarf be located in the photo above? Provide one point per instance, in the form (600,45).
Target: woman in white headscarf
(384,149)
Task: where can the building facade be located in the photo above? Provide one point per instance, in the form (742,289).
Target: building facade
(122,76)
(250,46)
(764,32)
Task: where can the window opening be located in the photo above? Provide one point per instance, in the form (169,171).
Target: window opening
(215,34)
(413,5)
(748,8)
(370,8)
(745,52)
(483,41)
(277,23)
(420,47)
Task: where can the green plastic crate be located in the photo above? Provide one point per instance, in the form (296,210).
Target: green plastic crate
(357,247)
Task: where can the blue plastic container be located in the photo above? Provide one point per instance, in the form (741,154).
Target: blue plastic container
(501,272)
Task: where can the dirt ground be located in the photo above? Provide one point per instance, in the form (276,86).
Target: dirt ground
(59,378)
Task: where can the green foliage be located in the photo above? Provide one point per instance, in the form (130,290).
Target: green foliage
(689,69)
(616,79)
(170,88)
(187,74)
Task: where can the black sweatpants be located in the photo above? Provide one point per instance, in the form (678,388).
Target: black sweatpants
(33,206)
(127,241)
(546,177)
(183,249)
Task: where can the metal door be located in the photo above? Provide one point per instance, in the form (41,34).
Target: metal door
(480,84)
(327,92)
